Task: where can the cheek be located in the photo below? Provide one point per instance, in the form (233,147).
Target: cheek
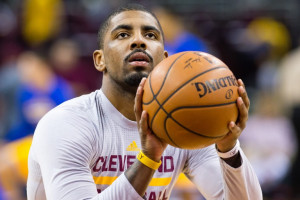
(116,47)
(159,56)
(110,57)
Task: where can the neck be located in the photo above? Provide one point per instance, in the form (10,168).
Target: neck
(122,100)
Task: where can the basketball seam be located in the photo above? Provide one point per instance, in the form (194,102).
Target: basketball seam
(165,127)
(161,105)
(169,116)
(155,95)
(190,81)
(204,106)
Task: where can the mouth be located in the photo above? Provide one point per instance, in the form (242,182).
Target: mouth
(139,59)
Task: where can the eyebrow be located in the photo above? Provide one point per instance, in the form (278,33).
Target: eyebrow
(129,27)
(150,28)
(123,26)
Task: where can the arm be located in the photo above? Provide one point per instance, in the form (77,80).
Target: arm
(236,178)
(217,180)
(63,146)
(239,178)
(240,182)
(62,152)
(138,174)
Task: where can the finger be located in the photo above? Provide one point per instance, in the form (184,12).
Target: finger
(240,82)
(243,113)
(234,129)
(144,122)
(231,125)
(138,100)
(243,93)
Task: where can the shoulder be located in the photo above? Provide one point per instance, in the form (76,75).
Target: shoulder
(78,107)
(74,118)
(68,130)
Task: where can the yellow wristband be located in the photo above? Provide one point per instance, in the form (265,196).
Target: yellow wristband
(147,161)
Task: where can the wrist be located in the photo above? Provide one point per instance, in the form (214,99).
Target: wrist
(148,161)
(230,153)
(153,156)
(225,146)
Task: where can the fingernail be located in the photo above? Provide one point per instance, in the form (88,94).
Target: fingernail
(240,100)
(241,81)
(241,88)
(138,91)
(144,113)
(141,81)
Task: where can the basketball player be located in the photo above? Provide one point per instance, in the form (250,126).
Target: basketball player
(87,147)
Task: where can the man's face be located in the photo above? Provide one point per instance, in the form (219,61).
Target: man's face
(133,45)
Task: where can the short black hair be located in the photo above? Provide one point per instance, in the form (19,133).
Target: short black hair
(130,7)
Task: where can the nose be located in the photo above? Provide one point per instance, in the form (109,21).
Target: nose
(138,42)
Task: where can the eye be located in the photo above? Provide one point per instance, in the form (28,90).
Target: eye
(122,35)
(151,35)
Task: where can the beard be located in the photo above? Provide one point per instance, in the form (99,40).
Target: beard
(134,79)
(129,79)
(130,82)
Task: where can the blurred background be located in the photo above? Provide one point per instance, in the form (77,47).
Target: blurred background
(46,51)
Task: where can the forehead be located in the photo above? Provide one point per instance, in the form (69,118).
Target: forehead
(133,17)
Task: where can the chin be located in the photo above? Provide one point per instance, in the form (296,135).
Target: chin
(135,78)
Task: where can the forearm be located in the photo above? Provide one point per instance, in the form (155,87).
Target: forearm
(148,160)
(141,172)
(139,176)
(240,182)
(232,156)
(121,189)
(234,161)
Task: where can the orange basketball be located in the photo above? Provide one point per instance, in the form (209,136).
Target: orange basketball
(191,98)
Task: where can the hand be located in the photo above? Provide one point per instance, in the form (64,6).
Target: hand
(152,146)
(230,139)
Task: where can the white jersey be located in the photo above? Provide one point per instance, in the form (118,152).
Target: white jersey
(82,148)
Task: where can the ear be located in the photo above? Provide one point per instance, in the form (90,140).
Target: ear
(99,63)
(166,54)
